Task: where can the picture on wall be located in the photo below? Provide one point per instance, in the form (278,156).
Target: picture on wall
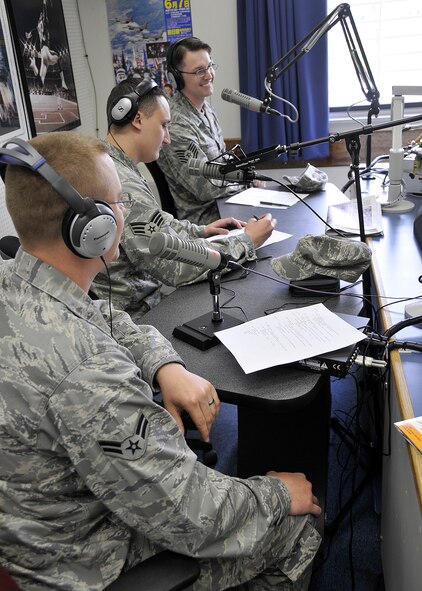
(140,34)
(134,26)
(42,48)
(12,118)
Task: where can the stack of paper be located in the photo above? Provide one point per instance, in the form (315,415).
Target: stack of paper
(264,198)
(344,216)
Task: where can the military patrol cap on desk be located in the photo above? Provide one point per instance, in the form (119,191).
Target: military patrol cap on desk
(324,255)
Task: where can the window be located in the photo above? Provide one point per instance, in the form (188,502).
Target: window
(390,33)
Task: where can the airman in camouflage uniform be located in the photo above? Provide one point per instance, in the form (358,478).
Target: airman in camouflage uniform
(195,133)
(95,476)
(137,277)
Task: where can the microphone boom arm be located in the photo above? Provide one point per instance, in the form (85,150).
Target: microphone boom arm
(304,45)
(274,151)
(343,15)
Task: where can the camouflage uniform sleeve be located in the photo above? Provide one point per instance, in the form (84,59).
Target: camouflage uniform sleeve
(134,459)
(172,273)
(184,143)
(174,161)
(150,349)
(198,135)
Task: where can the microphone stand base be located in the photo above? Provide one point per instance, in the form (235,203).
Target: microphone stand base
(200,332)
(413,310)
(402,206)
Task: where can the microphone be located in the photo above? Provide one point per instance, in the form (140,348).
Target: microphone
(172,247)
(210,170)
(243,100)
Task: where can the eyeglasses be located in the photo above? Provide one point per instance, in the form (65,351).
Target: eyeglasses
(126,202)
(201,71)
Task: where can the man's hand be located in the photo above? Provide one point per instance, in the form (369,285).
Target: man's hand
(223,226)
(302,501)
(185,391)
(259,184)
(260,230)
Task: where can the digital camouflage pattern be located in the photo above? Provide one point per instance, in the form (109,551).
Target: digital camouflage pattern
(137,276)
(94,476)
(194,134)
(324,255)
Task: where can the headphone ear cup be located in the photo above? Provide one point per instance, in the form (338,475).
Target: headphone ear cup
(175,78)
(92,234)
(125,109)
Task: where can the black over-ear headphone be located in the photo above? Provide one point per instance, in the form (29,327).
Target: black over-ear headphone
(173,74)
(89,226)
(126,107)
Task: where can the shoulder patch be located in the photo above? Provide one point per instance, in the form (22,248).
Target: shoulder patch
(192,151)
(130,448)
(148,228)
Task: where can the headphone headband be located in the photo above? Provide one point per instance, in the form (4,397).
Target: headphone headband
(145,86)
(26,155)
(89,226)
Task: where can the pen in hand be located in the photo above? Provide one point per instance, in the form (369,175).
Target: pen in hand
(261,217)
(276,204)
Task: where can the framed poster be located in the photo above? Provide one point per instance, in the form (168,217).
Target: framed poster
(12,116)
(42,50)
(138,39)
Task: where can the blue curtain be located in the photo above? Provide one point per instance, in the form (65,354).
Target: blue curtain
(267,30)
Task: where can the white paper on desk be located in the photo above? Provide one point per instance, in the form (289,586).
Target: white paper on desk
(344,216)
(276,236)
(254,196)
(288,336)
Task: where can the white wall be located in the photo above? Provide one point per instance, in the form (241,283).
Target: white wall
(94,27)
(216,23)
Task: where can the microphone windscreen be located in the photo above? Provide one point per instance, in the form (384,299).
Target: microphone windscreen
(157,243)
(226,94)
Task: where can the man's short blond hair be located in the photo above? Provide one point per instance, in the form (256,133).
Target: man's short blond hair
(36,208)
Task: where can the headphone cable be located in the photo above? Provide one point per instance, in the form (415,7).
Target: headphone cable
(115,141)
(109,295)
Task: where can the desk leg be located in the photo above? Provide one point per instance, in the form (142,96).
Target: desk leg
(294,441)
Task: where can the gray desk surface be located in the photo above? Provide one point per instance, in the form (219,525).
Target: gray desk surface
(397,265)
(396,268)
(281,387)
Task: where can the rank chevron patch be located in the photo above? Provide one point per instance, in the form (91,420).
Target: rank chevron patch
(130,448)
(192,151)
(148,228)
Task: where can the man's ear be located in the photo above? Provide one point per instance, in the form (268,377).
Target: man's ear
(137,120)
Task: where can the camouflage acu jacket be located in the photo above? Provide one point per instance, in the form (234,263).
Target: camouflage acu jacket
(93,474)
(137,276)
(195,134)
